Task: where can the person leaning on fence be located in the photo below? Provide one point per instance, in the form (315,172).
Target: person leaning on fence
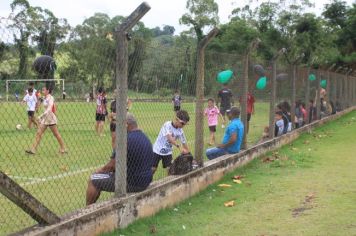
(279,124)
(284,107)
(47,120)
(168,136)
(139,164)
(233,136)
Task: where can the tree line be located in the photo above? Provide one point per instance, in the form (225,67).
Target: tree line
(159,59)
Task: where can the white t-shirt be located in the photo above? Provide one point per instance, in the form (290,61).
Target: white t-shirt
(31,101)
(162,146)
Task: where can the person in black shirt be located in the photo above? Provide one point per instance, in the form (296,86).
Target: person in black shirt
(225,98)
(139,163)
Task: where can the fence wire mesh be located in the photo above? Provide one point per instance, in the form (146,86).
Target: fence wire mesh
(161,80)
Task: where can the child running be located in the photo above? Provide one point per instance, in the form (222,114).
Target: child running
(31,101)
(212,112)
(170,133)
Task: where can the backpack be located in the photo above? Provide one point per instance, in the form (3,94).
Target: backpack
(181,165)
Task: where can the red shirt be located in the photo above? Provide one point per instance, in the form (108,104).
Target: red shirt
(250,102)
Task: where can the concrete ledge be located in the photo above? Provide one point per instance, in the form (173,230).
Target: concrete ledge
(119,212)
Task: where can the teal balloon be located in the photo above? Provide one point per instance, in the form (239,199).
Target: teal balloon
(323,83)
(224,76)
(261,83)
(312,77)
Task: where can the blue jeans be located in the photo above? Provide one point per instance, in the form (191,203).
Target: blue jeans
(215,152)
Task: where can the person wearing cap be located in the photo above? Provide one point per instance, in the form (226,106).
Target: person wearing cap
(139,164)
(233,136)
(168,136)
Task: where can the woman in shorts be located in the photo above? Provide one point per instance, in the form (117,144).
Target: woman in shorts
(100,112)
(47,120)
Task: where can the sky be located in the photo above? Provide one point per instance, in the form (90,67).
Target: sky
(163,12)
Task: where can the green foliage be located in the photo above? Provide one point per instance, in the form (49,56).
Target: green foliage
(201,14)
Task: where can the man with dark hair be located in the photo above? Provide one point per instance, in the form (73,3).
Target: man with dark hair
(139,164)
(225,97)
(233,136)
(170,133)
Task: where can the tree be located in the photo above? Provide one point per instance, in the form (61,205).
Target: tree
(203,14)
(24,17)
(49,29)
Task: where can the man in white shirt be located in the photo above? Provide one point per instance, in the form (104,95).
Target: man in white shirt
(170,133)
(31,101)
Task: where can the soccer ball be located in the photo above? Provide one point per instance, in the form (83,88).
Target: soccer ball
(19,127)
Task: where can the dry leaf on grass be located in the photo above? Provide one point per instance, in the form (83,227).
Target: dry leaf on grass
(225,185)
(237,181)
(238,177)
(229,204)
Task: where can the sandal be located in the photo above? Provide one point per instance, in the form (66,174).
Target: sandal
(30,152)
(63,151)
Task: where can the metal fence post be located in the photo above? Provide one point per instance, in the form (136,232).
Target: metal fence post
(199,109)
(244,91)
(307,94)
(317,98)
(294,89)
(273,92)
(121,97)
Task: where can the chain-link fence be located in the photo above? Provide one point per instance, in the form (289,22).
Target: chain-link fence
(51,149)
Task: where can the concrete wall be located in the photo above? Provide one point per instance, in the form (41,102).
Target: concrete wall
(119,212)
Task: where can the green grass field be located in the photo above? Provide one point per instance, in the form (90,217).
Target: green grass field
(305,188)
(60,181)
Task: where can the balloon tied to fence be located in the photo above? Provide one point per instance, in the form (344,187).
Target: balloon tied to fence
(323,83)
(312,77)
(224,76)
(261,83)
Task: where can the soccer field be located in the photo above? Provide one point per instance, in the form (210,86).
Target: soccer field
(60,181)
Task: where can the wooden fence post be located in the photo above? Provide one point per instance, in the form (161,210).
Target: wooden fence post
(199,105)
(121,97)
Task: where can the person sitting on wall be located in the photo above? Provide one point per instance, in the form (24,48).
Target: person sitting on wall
(233,136)
(139,163)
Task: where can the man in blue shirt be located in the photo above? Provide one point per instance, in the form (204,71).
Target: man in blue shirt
(233,136)
(139,164)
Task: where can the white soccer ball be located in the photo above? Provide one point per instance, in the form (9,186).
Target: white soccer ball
(18,126)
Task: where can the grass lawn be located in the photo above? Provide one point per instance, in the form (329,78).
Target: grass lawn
(60,181)
(306,188)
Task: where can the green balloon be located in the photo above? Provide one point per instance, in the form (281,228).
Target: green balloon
(224,76)
(323,83)
(312,77)
(261,83)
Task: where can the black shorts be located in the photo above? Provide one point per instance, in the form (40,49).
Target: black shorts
(248,116)
(99,117)
(166,160)
(106,182)
(176,108)
(212,128)
(30,113)
(223,110)
(112,126)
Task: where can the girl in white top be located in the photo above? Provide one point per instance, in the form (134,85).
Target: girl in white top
(47,119)
(31,101)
